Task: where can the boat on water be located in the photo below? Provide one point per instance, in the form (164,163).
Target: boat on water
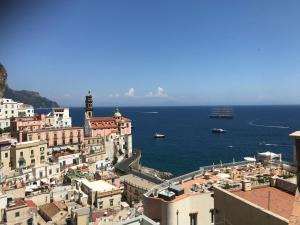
(222,113)
(158,135)
(267,144)
(218,130)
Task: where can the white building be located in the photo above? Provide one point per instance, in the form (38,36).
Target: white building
(59,117)
(101,194)
(9,108)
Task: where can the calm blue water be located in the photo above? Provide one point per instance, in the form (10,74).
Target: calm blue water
(189,142)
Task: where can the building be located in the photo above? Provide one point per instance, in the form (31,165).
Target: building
(5,146)
(18,212)
(28,154)
(135,187)
(101,194)
(25,110)
(35,128)
(48,171)
(22,125)
(66,159)
(9,108)
(54,211)
(257,205)
(115,132)
(140,220)
(295,216)
(80,216)
(59,117)
(186,199)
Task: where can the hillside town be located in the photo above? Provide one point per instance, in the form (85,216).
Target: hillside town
(54,173)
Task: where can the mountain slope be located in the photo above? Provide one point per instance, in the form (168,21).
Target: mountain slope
(29,97)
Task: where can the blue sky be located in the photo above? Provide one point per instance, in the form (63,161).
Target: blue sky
(138,52)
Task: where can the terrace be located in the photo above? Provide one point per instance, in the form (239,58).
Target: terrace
(228,176)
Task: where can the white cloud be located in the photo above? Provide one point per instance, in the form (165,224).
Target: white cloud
(160,92)
(115,95)
(130,92)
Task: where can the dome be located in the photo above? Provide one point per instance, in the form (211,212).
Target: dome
(117,114)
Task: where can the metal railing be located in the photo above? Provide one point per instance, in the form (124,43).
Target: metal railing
(194,174)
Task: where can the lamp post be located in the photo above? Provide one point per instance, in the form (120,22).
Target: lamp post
(177,212)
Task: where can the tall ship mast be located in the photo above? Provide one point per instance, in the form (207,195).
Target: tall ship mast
(222,112)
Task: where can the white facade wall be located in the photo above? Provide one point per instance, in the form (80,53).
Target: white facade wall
(60,117)
(53,170)
(25,110)
(9,108)
(178,211)
(67,160)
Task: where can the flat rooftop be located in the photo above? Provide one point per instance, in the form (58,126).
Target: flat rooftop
(281,203)
(188,185)
(137,181)
(99,185)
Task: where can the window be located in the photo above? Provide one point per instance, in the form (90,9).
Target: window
(50,172)
(32,152)
(100,205)
(111,202)
(57,170)
(41,174)
(6,154)
(17,214)
(21,153)
(33,161)
(193,218)
(42,158)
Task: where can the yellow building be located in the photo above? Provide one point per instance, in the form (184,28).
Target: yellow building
(28,154)
(5,156)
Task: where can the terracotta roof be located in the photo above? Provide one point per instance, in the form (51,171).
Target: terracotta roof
(100,119)
(51,209)
(18,202)
(30,204)
(281,202)
(109,118)
(105,122)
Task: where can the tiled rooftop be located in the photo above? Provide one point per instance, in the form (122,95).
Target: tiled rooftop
(281,202)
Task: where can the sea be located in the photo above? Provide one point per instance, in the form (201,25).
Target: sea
(189,142)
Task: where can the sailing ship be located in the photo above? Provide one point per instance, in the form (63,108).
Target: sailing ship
(222,112)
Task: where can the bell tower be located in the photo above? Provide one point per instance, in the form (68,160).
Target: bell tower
(89,105)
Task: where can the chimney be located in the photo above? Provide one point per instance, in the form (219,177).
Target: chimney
(246,185)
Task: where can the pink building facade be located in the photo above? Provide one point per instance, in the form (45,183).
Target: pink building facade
(35,128)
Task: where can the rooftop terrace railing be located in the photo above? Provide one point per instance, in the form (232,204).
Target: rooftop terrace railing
(201,172)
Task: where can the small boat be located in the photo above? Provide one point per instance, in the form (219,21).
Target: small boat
(267,144)
(218,130)
(158,135)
